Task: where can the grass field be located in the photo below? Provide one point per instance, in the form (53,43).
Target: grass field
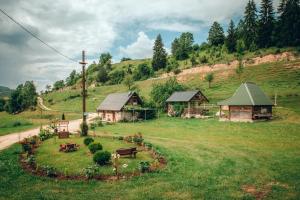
(75,162)
(28,120)
(207,159)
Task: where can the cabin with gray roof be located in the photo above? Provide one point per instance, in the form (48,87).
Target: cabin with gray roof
(119,107)
(248,103)
(187,104)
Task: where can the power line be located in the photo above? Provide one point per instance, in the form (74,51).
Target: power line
(36,37)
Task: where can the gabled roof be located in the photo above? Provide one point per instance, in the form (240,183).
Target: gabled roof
(116,101)
(184,96)
(247,94)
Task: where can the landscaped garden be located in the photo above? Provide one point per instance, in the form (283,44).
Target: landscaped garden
(102,157)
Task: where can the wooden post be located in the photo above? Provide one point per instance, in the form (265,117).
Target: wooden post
(229,113)
(189,108)
(83,63)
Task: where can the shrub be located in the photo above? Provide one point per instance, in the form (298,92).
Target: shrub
(16,123)
(31,160)
(93,147)
(120,138)
(50,171)
(102,157)
(45,134)
(91,171)
(84,129)
(144,166)
(88,141)
(26,147)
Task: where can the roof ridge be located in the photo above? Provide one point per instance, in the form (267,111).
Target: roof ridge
(251,98)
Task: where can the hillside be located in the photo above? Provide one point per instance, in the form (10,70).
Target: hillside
(4,91)
(281,77)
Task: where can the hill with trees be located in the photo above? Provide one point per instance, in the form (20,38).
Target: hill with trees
(5,91)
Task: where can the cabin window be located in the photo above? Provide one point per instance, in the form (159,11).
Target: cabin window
(263,110)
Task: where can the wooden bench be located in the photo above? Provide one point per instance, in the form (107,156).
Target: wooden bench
(127,151)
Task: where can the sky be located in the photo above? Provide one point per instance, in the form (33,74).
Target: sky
(125,28)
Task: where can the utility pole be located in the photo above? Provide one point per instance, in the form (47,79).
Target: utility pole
(83,63)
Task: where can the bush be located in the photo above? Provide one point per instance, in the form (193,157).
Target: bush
(102,157)
(50,171)
(84,129)
(88,141)
(93,147)
(91,171)
(31,160)
(144,166)
(45,134)
(120,138)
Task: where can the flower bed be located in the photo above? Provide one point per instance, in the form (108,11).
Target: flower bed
(44,159)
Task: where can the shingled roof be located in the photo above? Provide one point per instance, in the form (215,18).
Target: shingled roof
(116,101)
(184,96)
(248,94)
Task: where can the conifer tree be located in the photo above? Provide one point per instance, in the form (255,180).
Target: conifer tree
(231,38)
(289,23)
(159,59)
(265,24)
(250,25)
(216,35)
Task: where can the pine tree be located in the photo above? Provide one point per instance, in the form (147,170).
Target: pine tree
(182,47)
(265,24)
(231,38)
(216,35)
(250,25)
(289,23)
(159,59)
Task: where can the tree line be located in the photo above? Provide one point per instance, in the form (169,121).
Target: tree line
(258,28)
(22,98)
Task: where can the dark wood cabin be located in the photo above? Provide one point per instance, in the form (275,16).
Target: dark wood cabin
(187,104)
(115,106)
(248,103)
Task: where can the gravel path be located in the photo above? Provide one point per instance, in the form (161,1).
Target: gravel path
(8,140)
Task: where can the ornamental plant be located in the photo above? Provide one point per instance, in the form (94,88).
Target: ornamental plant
(93,147)
(102,157)
(88,140)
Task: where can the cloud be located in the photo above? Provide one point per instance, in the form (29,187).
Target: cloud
(95,26)
(174,26)
(141,48)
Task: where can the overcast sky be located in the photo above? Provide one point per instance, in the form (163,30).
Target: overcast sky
(124,28)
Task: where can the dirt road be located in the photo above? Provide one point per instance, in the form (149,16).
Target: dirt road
(7,140)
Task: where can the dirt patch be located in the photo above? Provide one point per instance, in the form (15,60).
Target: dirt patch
(261,193)
(204,69)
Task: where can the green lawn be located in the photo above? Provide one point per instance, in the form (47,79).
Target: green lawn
(207,159)
(75,162)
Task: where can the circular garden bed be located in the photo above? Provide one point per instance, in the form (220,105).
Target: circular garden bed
(44,158)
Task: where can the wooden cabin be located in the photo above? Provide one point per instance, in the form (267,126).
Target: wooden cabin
(248,103)
(114,107)
(187,104)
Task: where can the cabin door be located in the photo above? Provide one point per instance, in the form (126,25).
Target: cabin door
(114,116)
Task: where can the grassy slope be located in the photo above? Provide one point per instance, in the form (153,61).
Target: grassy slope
(273,78)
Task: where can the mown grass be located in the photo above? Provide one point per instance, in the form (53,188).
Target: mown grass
(75,162)
(28,120)
(207,159)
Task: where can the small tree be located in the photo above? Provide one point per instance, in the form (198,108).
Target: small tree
(159,59)
(63,117)
(240,69)
(193,60)
(209,78)
(102,75)
(128,81)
